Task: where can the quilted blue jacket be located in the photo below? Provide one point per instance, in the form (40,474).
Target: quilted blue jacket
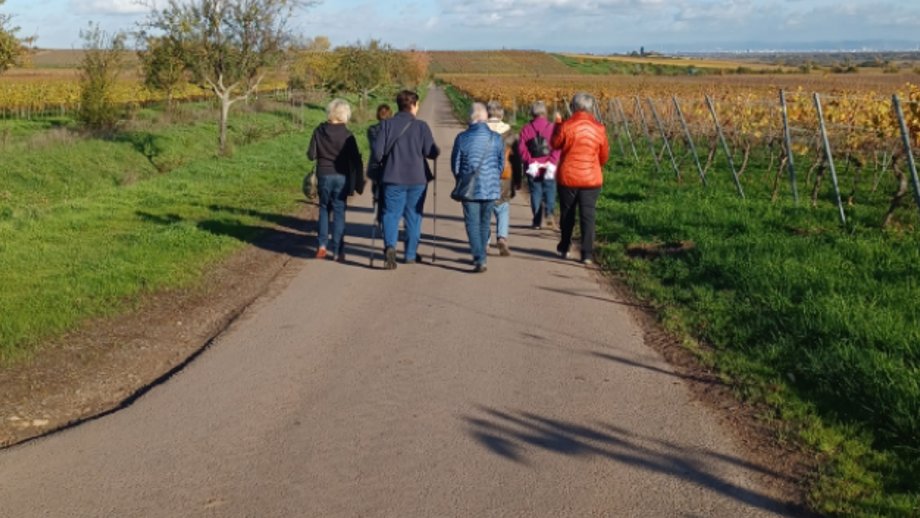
(477,161)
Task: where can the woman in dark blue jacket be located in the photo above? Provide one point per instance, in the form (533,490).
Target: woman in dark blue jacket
(401,147)
(477,161)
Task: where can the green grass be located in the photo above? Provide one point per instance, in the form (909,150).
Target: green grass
(89,227)
(816,320)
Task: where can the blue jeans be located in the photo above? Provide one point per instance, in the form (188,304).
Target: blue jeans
(542,198)
(477,215)
(503,219)
(332,198)
(403,201)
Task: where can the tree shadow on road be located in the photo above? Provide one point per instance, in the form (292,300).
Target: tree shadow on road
(514,435)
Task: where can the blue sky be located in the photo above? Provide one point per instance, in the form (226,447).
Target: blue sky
(577,25)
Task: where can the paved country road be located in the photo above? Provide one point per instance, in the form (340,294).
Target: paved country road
(426,391)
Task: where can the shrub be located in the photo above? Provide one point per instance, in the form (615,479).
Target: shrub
(99,71)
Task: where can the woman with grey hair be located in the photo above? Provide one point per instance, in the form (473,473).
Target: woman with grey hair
(477,161)
(339,174)
(540,163)
(584,149)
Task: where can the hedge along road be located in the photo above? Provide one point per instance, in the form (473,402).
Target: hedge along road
(425,391)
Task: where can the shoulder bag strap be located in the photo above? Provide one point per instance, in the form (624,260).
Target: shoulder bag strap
(393,144)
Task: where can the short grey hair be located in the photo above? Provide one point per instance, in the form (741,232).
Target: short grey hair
(495,110)
(478,112)
(583,102)
(338,111)
(537,109)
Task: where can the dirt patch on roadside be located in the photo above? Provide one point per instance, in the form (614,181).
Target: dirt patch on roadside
(784,469)
(108,363)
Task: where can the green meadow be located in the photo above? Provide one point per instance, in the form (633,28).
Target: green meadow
(89,225)
(816,320)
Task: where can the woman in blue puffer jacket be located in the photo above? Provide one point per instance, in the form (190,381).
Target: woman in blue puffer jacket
(477,161)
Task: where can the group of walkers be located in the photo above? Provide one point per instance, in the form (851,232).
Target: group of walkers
(563,159)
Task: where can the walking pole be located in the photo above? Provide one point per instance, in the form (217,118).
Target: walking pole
(434,256)
(374,228)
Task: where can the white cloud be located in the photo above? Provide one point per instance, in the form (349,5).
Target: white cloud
(109,6)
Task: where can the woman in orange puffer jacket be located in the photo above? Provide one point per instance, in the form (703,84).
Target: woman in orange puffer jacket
(585,149)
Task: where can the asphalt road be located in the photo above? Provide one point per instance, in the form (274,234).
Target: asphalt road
(421,392)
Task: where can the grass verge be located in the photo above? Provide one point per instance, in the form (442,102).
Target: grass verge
(78,241)
(815,320)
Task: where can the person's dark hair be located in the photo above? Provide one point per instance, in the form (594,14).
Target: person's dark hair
(384,112)
(406,100)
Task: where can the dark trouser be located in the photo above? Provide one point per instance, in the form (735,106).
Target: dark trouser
(377,191)
(586,201)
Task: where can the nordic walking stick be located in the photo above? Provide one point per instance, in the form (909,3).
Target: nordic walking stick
(434,239)
(374,229)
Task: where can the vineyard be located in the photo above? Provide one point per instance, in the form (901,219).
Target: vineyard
(57,92)
(732,128)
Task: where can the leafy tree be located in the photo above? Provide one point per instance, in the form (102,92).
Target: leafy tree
(12,50)
(314,65)
(412,68)
(163,66)
(364,69)
(103,61)
(227,45)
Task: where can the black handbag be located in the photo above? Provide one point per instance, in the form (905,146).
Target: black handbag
(538,146)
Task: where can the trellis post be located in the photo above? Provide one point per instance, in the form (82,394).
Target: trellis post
(689,137)
(648,134)
(664,135)
(908,149)
(830,157)
(725,148)
(622,112)
(787,139)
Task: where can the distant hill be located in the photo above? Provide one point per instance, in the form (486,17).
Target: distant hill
(496,62)
(67,58)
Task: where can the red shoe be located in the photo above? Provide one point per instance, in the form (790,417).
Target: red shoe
(321,253)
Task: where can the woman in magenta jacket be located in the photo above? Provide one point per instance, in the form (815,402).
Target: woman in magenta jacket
(540,162)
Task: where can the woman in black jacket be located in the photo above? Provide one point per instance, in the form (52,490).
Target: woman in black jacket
(339,174)
(375,169)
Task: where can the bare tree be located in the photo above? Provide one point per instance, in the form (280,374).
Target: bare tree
(227,45)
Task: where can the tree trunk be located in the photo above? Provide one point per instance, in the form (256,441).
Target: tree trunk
(816,190)
(776,179)
(225,103)
(896,197)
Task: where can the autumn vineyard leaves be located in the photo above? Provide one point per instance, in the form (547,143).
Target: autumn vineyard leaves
(43,94)
(642,114)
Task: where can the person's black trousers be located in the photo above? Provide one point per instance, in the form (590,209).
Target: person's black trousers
(585,200)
